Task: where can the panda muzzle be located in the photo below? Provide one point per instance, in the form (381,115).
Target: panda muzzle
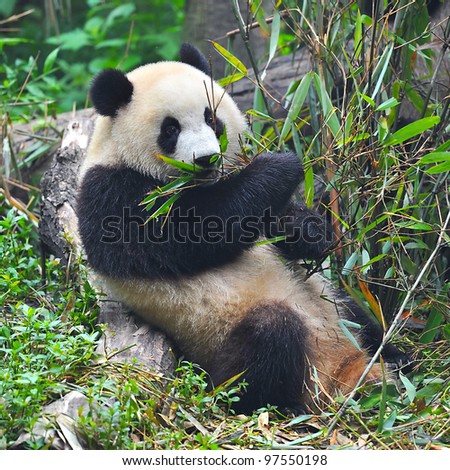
(208,168)
(207,162)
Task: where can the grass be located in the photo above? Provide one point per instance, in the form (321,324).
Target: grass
(386,189)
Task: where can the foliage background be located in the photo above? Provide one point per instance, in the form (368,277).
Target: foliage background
(63,43)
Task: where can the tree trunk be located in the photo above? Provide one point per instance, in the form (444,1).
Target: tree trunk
(211,20)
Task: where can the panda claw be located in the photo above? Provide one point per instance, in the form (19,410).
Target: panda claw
(399,361)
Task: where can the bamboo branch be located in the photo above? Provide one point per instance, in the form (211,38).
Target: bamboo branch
(391,330)
(255,24)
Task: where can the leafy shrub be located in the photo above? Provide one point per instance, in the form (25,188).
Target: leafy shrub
(48,67)
(47,332)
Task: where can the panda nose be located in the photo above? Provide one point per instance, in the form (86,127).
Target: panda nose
(205,161)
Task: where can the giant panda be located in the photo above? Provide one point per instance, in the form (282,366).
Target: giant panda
(202,273)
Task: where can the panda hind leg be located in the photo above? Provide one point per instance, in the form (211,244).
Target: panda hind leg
(371,336)
(269,346)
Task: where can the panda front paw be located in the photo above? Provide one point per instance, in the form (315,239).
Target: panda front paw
(308,234)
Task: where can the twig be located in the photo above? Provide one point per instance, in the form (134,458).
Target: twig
(33,65)
(392,328)
(127,49)
(254,25)
(17,17)
(13,202)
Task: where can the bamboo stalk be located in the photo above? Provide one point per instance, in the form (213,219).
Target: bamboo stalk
(395,324)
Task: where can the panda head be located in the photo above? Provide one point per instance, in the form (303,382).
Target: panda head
(173,109)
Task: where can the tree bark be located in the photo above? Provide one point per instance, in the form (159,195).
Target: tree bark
(207,20)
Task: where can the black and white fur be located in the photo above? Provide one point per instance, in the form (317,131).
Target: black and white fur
(230,304)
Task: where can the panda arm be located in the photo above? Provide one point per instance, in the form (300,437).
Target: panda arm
(265,185)
(208,226)
(223,219)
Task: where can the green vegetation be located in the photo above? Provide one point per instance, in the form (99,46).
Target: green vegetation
(61,45)
(370,120)
(47,329)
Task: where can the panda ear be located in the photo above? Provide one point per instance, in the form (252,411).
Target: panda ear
(110,90)
(190,55)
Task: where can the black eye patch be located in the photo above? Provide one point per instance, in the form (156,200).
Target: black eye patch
(213,122)
(168,135)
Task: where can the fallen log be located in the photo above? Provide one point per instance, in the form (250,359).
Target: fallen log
(126,337)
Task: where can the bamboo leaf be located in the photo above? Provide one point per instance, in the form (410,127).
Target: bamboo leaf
(367,264)
(388,104)
(441,168)
(412,130)
(223,143)
(380,69)
(259,107)
(353,138)
(275,34)
(50,60)
(178,183)
(350,264)
(165,208)
(298,420)
(416,225)
(271,240)
(390,420)
(355,295)
(409,387)
(390,272)
(441,157)
(415,98)
(182,166)
(296,105)
(260,115)
(228,80)
(260,16)
(348,333)
(431,327)
(373,303)
(230,58)
(444,147)
(11,41)
(367,99)
(309,184)
(435,157)
(328,109)
(229,381)
(372,225)
(358,35)
(365,259)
